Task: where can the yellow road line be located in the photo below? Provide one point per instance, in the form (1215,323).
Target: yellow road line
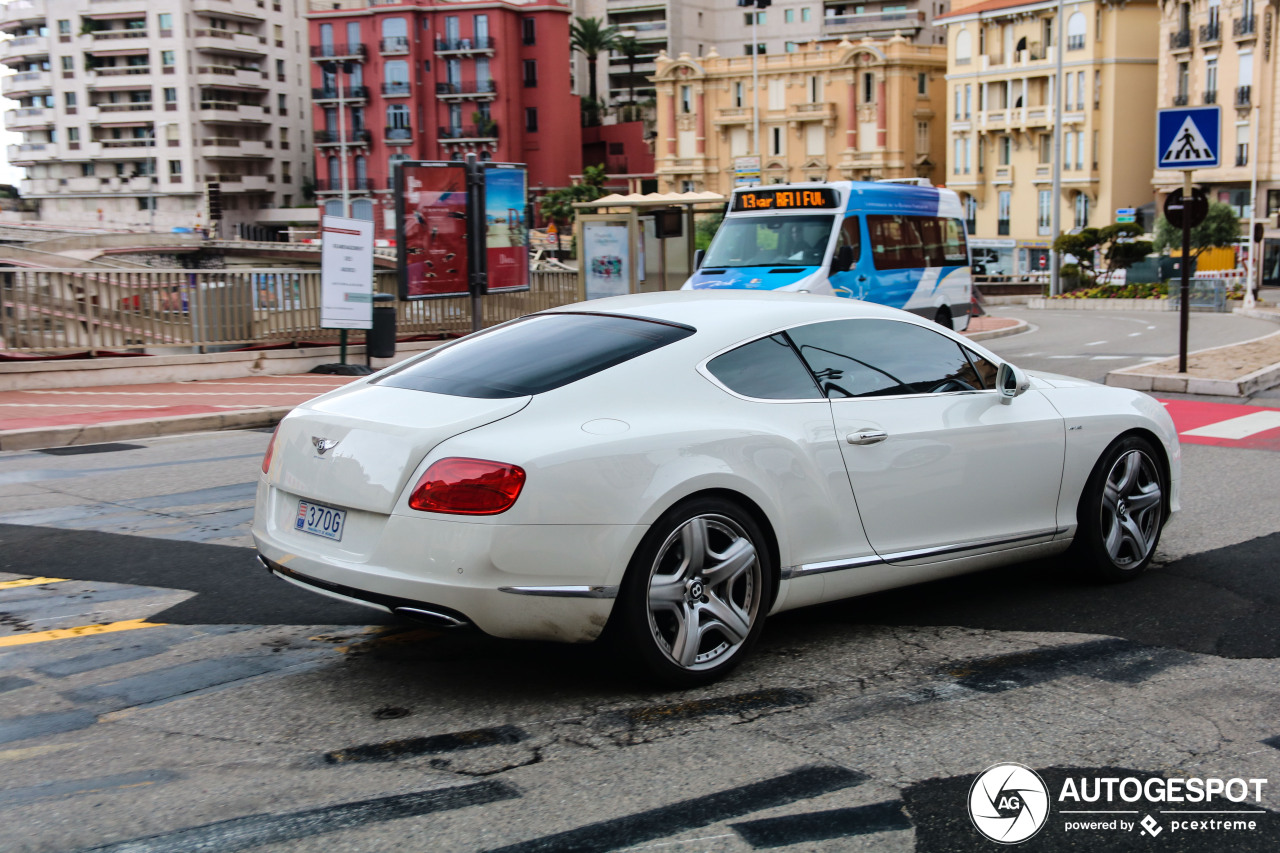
(82,631)
(29,582)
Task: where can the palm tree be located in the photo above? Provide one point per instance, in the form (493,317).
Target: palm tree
(592,37)
(630,48)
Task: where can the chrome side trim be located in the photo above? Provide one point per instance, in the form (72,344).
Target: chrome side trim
(563,591)
(789,572)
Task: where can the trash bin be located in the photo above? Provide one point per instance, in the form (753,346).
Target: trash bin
(381,340)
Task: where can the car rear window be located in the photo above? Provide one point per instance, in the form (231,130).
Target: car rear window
(534,355)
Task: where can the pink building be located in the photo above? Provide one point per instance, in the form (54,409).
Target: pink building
(427,80)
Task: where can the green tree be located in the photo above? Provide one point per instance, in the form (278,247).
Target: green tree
(1113,244)
(592,37)
(557,205)
(1221,227)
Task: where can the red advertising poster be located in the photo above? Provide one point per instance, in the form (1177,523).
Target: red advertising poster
(433,239)
(506,232)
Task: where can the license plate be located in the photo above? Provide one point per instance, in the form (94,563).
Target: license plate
(320,520)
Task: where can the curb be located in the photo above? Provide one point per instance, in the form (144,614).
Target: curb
(67,436)
(1022,326)
(1241,386)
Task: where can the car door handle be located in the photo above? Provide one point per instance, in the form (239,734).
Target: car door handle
(866,436)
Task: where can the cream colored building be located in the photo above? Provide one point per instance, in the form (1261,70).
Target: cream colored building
(1000,111)
(1221,53)
(847,111)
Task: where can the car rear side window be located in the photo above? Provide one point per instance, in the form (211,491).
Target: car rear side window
(534,355)
(767,369)
(875,358)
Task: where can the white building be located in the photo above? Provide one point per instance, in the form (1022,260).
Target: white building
(130,108)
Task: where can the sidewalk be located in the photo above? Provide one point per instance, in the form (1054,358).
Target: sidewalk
(60,417)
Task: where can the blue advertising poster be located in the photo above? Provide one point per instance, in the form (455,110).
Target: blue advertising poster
(506,231)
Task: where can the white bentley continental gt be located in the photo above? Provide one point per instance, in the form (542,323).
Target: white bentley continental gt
(676,466)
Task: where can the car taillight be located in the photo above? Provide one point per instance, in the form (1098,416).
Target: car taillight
(271,448)
(468,487)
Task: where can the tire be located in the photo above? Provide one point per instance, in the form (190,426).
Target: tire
(1121,512)
(943,318)
(720,595)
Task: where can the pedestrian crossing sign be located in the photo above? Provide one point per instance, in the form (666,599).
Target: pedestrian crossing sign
(1188,137)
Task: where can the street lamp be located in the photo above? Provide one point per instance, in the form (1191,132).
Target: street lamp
(337,69)
(755,5)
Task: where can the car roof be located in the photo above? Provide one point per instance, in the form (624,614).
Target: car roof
(736,314)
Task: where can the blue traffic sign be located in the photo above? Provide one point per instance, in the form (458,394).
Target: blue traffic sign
(1188,137)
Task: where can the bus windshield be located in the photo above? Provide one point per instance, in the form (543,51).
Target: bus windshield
(770,241)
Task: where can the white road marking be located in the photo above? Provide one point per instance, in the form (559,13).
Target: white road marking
(1241,427)
(1065,356)
(1095,343)
(1108,357)
(1135,334)
(1152,328)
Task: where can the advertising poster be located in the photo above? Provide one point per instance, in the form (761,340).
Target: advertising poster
(605,259)
(433,230)
(506,232)
(346,273)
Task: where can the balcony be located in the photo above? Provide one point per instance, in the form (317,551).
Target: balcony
(393,45)
(226,75)
(123,71)
(24,46)
(21,11)
(733,115)
(229,42)
(29,153)
(351,137)
(397,135)
(821,111)
(1180,40)
(346,93)
(28,118)
(397,88)
(223,9)
(1211,96)
(222,146)
(1244,96)
(469,133)
(1210,33)
(1244,28)
(908,20)
(1180,99)
(323,52)
(461,46)
(131,142)
(117,35)
(25,82)
(116,110)
(467,90)
(230,111)
(1002,175)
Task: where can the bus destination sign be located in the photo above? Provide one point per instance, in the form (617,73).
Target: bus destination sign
(798,199)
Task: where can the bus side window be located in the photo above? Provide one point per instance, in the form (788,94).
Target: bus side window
(850,236)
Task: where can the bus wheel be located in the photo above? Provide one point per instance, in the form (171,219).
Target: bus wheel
(943,317)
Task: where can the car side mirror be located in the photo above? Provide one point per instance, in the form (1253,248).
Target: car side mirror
(698,255)
(843,260)
(1011,382)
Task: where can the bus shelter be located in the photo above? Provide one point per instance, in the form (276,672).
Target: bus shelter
(637,242)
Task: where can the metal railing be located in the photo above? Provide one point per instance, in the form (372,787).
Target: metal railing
(94,310)
(1180,39)
(1243,26)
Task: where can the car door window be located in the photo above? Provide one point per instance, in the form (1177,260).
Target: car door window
(766,369)
(877,358)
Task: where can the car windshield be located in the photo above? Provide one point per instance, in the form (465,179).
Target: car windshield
(770,241)
(533,355)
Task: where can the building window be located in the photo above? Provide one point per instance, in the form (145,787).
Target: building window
(86,170)
(805,15)
(529,30)
(282,104)
(775,141)
(70,99)
(531,119)
(530,73)
(968,100)
(686,99)
(737,94)
(922,83)
(868,88)
(1075,31)
(922,137)
(970,214)
(64,28)
(166,58)
(759,49)
(964,48)
(789,16)
(1045,142)
(73,134)
(68,63)
(1082,210)
(175,168)
(815,89)
(1242,144)
(957,154)
(1002,213)
(1069,139)
(1004,145)
(1044,211)
(959,103)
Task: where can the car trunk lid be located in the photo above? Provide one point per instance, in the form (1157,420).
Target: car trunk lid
(357,448)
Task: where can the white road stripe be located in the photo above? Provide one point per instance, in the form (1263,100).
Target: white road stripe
(1108,357)
(1135,334)
(1095,343)
(1241,427)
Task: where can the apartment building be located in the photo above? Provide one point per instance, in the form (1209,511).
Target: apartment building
(1215,53)
(129,109)
(1001,78)
(840,112)
(672,27)
(396,81)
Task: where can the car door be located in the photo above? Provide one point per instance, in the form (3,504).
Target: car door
(940,466)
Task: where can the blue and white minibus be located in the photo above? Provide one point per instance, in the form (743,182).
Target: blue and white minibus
(896,243)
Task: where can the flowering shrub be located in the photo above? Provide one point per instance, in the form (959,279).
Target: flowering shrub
(1154,290)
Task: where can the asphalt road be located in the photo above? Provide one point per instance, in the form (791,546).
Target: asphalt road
(227,710)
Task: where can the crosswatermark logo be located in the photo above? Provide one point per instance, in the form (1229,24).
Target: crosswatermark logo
(1008,803)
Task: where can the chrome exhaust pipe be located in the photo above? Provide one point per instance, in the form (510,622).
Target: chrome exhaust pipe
(430,617)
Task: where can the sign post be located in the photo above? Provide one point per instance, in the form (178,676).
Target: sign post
(346,279)
(1187,138)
